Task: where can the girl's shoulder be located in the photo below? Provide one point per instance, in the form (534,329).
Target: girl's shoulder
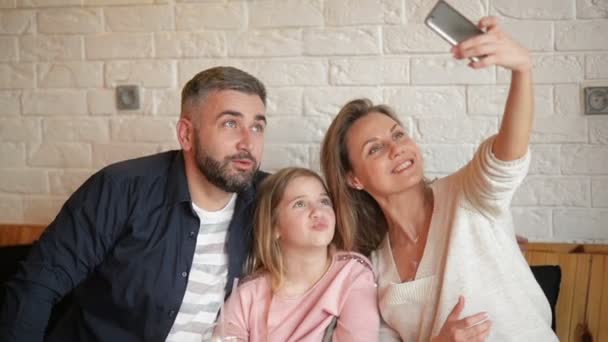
(353,257)
(253,280)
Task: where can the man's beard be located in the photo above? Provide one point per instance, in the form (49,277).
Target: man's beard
(218,172)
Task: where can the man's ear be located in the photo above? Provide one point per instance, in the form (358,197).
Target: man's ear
(353,181)
(185,131)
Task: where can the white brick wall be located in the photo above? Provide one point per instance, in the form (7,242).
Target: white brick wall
(60,61)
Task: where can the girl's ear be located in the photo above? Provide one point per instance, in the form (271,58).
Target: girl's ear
(353,181)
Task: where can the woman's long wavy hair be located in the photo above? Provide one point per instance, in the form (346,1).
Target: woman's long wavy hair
(354,208)
(266,250)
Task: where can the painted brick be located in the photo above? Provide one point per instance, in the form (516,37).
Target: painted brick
(23,181)
(8,49)
(559,129)
(47,3)
(12,154)
(284,101)
(588,9)
(65,130)
(581,35)
(584,159)
(447,70)
(581,224)
(441,130)
(11,209)
(50,48)
(16,21)
(143,130)
(413,38)
(166,102)
(61,155)
(101,102)
(306,72)
(190,44)
(54,102)
(138,18)
(145,73)
(284,155)
(17,75)
(133,45)
(552,69)
(545,159)
(567,99)
(105,154)
(426,101)
(317,103)
(20,130)
(361,12)
(596,66)
(599,192)
(598,130)
(492,99)
(266,43)
(311,129)
(212,15)
(369,71)
(10,103)
(342,41)
(70,75)
(445,158)
(534,9)
(70,20)
(285,13)
(553,191)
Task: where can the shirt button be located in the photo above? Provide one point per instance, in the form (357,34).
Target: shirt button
(184,274)
(192,234)
(171,313)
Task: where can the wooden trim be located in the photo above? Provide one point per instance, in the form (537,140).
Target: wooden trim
(567,248)
(19,234)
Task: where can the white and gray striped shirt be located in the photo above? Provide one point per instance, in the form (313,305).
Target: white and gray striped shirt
(205,290)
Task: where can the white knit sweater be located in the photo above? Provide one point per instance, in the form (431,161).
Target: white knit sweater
(470,251)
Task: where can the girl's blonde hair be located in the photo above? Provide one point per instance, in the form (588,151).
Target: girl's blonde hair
(266,251)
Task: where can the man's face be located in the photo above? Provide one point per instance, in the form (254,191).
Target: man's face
(228,138)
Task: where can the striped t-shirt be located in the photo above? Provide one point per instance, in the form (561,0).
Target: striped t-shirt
(205,290)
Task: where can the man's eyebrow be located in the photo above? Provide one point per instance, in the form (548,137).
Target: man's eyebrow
(260,117)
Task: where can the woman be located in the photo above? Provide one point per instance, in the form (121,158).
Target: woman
(304,287)
(436,244)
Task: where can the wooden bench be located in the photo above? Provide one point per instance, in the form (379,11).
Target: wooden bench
(582,304)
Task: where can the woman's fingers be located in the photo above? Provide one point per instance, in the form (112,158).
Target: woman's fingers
(476,51)
(487,23)
(484,62)
(455,313)
(473,320)
(478,332)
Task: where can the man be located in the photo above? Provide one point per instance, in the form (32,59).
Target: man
(147,244)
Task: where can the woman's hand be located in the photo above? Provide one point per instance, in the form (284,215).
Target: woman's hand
(497,47)
(472,328)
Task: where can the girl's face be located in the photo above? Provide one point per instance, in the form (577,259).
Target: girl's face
(305,216)
(385,160)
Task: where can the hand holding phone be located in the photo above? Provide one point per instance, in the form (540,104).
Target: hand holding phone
(451,25)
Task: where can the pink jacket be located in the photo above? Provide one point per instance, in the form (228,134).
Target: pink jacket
(346,291)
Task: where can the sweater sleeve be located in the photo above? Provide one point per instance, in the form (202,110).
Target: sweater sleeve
(489,183)
(233,322)
(359,319)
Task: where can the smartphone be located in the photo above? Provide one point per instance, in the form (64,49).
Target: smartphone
(451,25)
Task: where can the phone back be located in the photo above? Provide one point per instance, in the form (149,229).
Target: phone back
(450,24)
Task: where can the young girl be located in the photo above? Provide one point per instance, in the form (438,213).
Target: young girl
(304,286)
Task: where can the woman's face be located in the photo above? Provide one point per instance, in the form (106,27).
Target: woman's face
(384,159)
(305,216)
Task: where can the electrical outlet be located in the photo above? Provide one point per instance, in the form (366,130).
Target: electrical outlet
(127,97)
(596,100)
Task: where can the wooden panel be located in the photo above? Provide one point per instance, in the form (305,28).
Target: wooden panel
(14,234)
(563,310)
(579,299)
(597,308)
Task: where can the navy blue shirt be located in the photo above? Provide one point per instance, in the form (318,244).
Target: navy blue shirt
(123,243)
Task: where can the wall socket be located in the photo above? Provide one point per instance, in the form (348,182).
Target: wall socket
(127,97)
(596,100)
